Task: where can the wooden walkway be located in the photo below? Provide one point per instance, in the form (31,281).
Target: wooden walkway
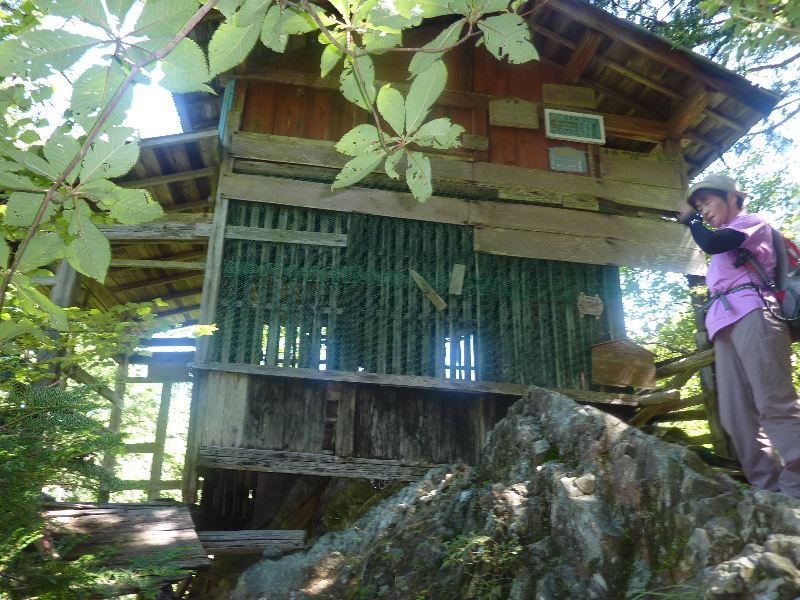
(134,532)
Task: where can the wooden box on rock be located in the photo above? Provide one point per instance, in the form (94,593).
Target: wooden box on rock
(623,363)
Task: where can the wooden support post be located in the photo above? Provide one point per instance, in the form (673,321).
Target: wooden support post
(722,445)
(114,422)
(161,440)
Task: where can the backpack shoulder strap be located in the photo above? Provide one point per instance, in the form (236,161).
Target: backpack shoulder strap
(781,260)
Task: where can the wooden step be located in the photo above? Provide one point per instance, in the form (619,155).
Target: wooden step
(252,541)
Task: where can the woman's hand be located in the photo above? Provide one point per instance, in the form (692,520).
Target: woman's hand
(685,214)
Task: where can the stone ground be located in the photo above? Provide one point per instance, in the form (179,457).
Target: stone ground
(568,503)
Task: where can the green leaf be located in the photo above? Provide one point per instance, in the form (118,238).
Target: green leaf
(119,8)
(161,20)
(131,206)
(56,314)
(33,162)
(228,7)
(12,329)
(10,181)
(22,209)
(110,158)
(350,86)
(357,168)
(253,10)
(425,89)
(90,11)
(49,50)
(392,108)
(94,89)
(392,16)
(508,35)
(391,164)
(490,6)
(461,7)
(89,253)
(433,8)
(230,45)
(422,61)
(440,134)
(100,190)
(185,69)
(5,253)
(375,41)
(44,248)
(59,151)
(331,56)
(341,6)
(362,138)
(280,23)
(418,176)
(29,136)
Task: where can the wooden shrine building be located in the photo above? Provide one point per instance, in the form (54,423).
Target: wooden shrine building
(364,335)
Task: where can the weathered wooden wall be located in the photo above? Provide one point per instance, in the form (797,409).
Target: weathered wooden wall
(297,417)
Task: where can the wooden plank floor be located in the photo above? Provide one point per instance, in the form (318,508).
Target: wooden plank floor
(133,532)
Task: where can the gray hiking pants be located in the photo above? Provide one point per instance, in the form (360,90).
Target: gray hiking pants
(757,402)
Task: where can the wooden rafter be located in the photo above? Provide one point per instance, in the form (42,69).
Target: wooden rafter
(159,263)
(138,285)
(177,311)
(179,138)
(582,55)
(661,51)
(688,113)
(169,178)
(159,231)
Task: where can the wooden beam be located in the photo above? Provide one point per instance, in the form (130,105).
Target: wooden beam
(452,98)
(252,541)
(177,311)
(661,51)
(405,381)
(169,178)
(188,206)
(687,114)
(585,249)
(117,263)
(146,484)
(179,138)
(261,234)
(161,231)
(160,342)
(80,375)
(143,448)
(582,55)
(307,463)
(147,283)
(514,183)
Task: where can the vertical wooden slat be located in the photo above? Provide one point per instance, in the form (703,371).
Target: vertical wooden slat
(161,439)
(213,273)
(114,422)
(276,285)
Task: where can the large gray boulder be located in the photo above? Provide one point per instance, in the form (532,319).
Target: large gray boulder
(568,503)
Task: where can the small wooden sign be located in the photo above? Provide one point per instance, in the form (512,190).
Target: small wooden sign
(590,305)
(569,95)
(513,112)
(573,126)
(568,159)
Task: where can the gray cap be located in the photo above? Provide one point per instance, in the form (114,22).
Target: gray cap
(716,181)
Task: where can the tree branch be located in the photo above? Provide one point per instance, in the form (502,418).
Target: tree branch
(95,131)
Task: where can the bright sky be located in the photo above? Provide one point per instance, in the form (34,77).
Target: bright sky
(153,110)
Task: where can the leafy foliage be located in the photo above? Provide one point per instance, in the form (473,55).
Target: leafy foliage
(47,436)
